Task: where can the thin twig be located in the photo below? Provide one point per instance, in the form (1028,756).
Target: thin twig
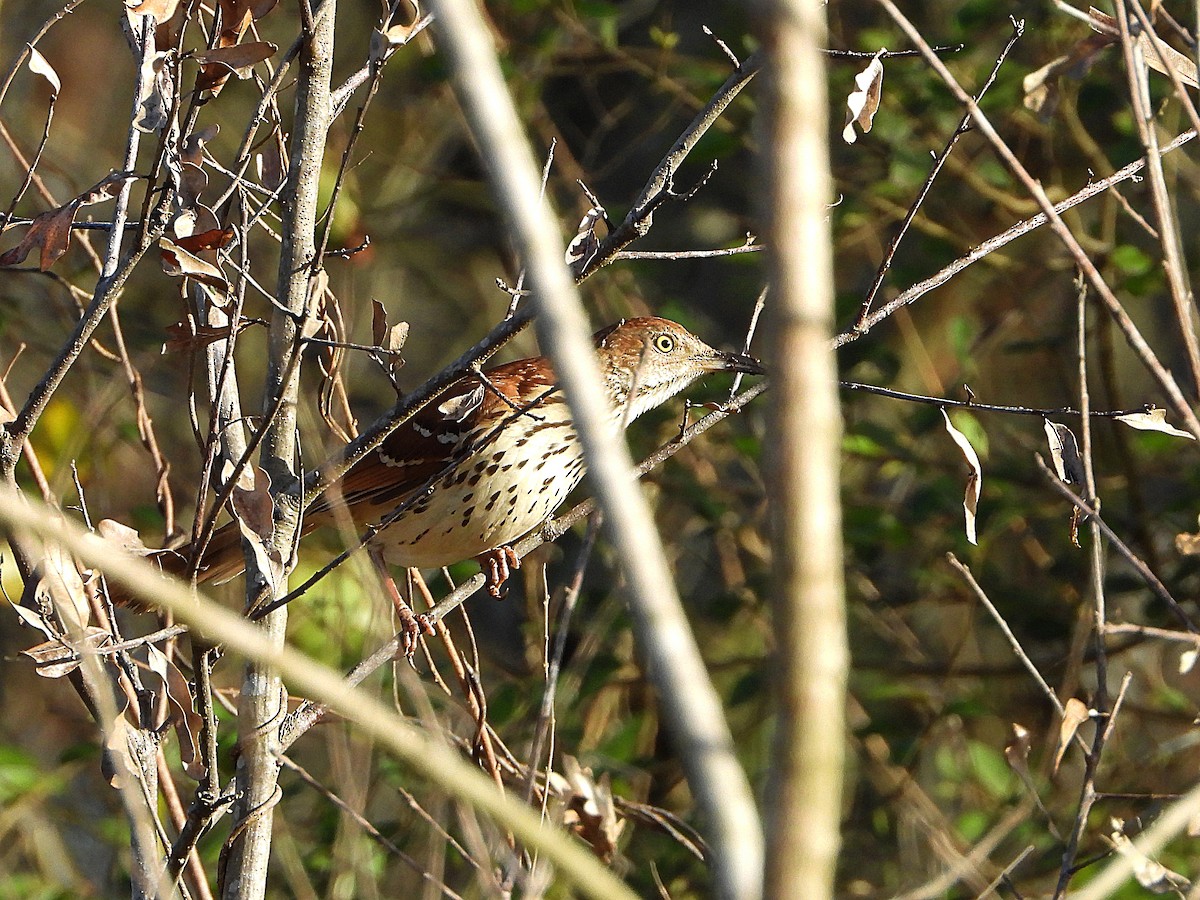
(918,290)
(1041,412)
(1003,624)
(939,161)
(1144,572)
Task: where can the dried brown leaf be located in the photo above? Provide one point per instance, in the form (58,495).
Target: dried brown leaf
(591,813)
(397,335)
(1154,419)
(252,504)
(188,723)
(124,537)
(863,102)
(105,189)
(1016,752)
(115,764)
(157,94)
(1064,452)
(240,59)
(584,246)
(178,261)
(58,585)
(974,478)
(212,239)
(34,620)
(39,66)
(379,323)
(50,232)
(272,163)
(1184,67)
(53,659)
(193,147)
(1075,714)
(177,709)
(385,43)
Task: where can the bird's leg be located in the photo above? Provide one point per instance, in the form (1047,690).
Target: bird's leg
(497,566)
(412,626)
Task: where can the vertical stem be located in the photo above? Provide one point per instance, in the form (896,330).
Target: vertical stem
(261,707)
(1174,262)
(804,805)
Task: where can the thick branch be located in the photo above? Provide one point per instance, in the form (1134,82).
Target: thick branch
(802,451)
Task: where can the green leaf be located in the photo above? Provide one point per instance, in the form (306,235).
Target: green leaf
(991,769)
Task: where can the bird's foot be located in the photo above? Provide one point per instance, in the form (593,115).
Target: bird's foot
(413,627)
(497,565)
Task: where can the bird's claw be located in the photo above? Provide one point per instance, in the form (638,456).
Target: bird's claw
(498,564)
(412,628)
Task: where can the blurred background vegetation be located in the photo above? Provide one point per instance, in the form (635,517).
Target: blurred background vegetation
(935,687)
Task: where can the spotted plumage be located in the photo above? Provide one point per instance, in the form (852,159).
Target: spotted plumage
(492,458)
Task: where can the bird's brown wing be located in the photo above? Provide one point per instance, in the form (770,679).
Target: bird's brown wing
(436,439)
(409,460)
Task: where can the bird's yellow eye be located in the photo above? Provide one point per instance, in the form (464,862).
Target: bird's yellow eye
(664,343)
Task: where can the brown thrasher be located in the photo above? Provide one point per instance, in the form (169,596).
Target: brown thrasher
(493,456)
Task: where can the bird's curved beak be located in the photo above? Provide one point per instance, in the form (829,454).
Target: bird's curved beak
(740,362)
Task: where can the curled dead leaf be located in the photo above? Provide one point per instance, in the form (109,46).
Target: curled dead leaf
(584,246)
(252,503)
(1075,713)
(240,59)
(39,66)
(1064,452)
(57,585)
(591,812)
(974,479)
(390,339)
(213,239)
(54,659)
(1184,67)
(385,43)
(173,698)
(50,232)
(1154,419)
(34,620)
(178,261)
(863,102)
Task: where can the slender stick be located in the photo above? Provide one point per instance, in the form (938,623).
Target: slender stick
(992,244)
(1174,261)
(1143,570)
(938,162)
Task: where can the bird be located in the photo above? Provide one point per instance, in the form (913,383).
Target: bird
(491,458)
